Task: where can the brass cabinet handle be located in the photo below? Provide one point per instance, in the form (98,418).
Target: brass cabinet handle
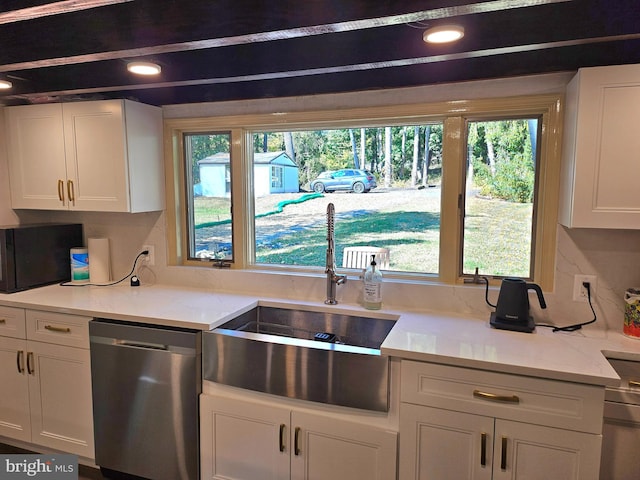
(483,449)
(634,383)
(492,397)
(20,361)
(281,437)
(53,328)
(30,369)
(71,192)
(503,454)
(296,444)
(61,190)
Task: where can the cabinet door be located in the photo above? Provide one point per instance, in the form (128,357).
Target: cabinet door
(96,155)
(243,440)
(531,452)
(60,398)
(600,162)
(324,448)
(14,400)
(437,444)
(37,166)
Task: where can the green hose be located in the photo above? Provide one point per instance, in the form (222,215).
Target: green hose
(278,209)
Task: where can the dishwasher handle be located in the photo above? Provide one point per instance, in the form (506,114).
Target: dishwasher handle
(147,345)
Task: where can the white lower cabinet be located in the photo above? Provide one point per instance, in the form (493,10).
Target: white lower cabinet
(474,425)
(443,444)
(14,402)
(245,440)
(46,387)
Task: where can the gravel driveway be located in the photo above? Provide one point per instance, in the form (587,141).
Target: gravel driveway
(347,205)
(312,213)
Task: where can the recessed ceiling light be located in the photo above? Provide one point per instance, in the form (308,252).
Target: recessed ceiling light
(144,68)
(443,34)
(4,84)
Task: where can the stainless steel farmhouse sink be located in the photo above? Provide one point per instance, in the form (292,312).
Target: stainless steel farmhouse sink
(311,355)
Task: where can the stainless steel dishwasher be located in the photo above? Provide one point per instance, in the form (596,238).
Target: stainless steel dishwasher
(146,381)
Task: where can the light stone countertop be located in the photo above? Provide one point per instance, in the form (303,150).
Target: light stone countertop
(423,336)
(157,304)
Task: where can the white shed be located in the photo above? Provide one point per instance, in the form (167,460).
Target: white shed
(274,172)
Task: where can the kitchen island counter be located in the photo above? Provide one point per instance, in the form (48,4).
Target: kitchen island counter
(444,338)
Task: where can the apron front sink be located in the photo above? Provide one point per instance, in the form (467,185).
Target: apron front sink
(310,355)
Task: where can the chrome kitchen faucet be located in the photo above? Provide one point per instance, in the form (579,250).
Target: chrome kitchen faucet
(332,278)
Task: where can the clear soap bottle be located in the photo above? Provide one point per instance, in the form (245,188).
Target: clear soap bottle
(372,286)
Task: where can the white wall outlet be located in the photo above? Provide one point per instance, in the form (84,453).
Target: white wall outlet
(579,290)
(150,259)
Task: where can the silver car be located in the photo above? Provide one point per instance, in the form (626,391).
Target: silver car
(347,179)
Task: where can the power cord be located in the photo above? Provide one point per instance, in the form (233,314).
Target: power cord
(133,269)
(577,326)
(486,290)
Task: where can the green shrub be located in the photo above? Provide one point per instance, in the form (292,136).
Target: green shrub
(513,180)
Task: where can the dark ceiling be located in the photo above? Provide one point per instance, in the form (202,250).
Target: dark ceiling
(246,49)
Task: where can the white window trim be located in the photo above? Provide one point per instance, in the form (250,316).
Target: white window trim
(453,114)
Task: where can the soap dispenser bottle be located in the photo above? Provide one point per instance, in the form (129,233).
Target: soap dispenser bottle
(372,286)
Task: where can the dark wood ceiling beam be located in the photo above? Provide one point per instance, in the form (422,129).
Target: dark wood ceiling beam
(314,30)
(407,62)
(56,8)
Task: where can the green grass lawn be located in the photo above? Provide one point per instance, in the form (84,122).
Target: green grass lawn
(497,234)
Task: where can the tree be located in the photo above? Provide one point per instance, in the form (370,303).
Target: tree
(288,146)
(363,145)
(387,156)
(203,146)
(403,156)
(416,152)
(427,155)
(354,147)
(503,158)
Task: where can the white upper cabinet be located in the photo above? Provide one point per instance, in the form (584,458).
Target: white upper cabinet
(601,149)
(103,156)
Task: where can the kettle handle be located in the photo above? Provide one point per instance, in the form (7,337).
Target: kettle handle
(533,286)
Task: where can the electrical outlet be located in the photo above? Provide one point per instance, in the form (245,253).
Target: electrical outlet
(150,259)
(579,291)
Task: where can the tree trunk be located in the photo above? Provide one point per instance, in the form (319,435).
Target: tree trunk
(363,144)
(492,156)
(469,165)
(427,156)
(354,147)
(416,152)
(533,136)
(375,158)
(403,155)
(387,156)
(288,146)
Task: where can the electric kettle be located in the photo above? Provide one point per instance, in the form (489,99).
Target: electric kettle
(512,309)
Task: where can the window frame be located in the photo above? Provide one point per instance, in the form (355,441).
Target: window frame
(536,200)
(452,114)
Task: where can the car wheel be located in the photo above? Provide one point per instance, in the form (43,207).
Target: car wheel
(358,187)
(318,187)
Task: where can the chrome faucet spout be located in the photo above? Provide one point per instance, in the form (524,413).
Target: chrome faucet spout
(332,279)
